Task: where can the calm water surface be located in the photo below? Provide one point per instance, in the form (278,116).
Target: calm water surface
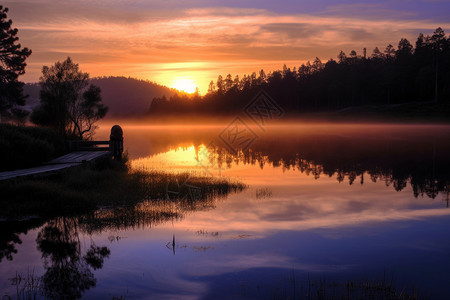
(324,203)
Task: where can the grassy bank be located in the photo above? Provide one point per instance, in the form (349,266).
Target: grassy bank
(103,183)
(27,146)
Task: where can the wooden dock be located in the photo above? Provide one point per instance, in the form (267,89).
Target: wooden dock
(54,166)
(81,152)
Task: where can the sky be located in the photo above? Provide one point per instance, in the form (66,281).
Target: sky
(188,43)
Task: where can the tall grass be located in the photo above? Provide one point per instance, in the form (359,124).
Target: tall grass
(106,183)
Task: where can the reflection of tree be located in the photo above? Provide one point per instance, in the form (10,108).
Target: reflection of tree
(68,273)
(9,236)
(420,160)
(398,155)
(7,245)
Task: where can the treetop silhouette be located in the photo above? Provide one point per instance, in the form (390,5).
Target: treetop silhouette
(12,65)
(393,76)
(68,103)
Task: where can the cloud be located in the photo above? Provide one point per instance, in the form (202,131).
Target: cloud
(133,35)
(368,11)
(290,30)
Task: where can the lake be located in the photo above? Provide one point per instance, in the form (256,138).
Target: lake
(329,210)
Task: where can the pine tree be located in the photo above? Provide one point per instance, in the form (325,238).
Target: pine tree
(12,65)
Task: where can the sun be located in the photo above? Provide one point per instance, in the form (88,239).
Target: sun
(185,85)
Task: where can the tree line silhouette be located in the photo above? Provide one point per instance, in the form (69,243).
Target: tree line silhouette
(389,77)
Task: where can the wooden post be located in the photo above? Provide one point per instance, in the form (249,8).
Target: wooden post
(116,142)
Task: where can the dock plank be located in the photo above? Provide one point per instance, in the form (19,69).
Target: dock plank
(78,157)
(58,164)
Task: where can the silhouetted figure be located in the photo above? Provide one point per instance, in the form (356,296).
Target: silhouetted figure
(116,142)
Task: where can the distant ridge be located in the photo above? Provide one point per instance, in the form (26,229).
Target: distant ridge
(129,96)
(124,96)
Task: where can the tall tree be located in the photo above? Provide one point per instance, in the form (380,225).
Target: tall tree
(220,85)
(437,40)
(420,41)
(317,65)
(68,103)
(236,82)
(389,52)
(12,65)
(228,82)
(211,87)
(341,57)
(404,48)
(377,53)
(262,77)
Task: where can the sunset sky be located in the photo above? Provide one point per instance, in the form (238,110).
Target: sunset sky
(193,41)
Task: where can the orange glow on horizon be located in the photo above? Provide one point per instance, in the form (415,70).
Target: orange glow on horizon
(184,84)
(198,44)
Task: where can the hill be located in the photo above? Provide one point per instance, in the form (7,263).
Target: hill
(124,96)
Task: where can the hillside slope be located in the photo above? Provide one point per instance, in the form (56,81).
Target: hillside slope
(124,96)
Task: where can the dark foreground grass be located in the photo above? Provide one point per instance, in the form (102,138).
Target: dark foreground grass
(28,146)
(103,183)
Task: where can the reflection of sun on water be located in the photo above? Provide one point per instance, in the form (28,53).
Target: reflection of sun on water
(203,161)
(190,158)
(174,160)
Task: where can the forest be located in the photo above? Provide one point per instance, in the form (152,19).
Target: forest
(389,78)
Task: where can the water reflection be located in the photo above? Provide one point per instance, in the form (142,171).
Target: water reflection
(10,232)
(69,264)
(396,155)
(8,241)
(68,271)
(143,215)
(363,192)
